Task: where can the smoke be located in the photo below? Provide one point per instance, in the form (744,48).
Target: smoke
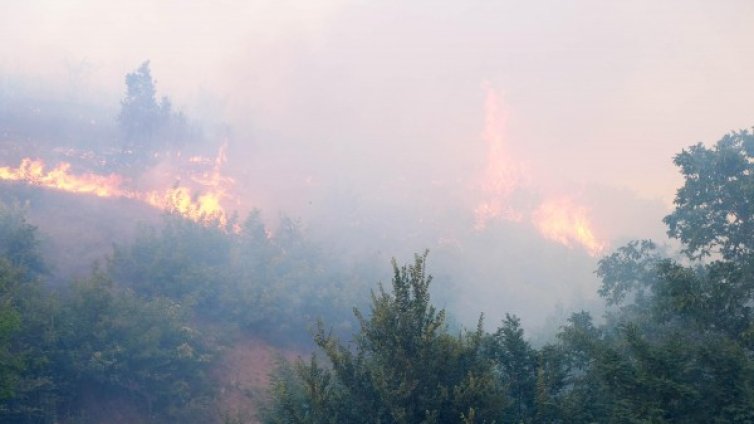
(516,142)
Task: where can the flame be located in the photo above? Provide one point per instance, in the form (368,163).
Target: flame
(205,207)
(567,223)
(502,176)
(559,219)
(33,172)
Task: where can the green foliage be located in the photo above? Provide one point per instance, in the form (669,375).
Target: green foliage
(10,323)
(110,341)
(272,284)
(19,244)
(148,126)
(182,260)
(629,270)
(676,347)
(61,351)
(713,208)
(403,367)
(517,363)
(679,348)
(97,342)
(20,265)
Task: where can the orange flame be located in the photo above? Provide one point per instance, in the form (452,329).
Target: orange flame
(502,175)
(33,172)
(565,222)
(557,219)
(206,207)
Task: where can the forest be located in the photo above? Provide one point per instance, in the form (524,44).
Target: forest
(337,212)
(144,332)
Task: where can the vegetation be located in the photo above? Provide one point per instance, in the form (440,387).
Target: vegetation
(404,367)
(147,126)
(676,347)
(146,329)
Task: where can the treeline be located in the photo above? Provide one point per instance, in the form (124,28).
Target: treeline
(141,335)
(676,346)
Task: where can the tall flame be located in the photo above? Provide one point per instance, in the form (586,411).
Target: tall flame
(205,207)
(558,219)
(502,174)
(565,222)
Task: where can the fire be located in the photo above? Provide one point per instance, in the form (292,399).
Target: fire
(33,172)
(503,175)
(558,219)
(205,207)
(565,222)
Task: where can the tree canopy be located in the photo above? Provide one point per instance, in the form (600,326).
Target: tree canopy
(677,345)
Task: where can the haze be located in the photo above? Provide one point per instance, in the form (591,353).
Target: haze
(372,122)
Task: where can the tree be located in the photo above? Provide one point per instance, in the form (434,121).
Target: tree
(148,127)
(141,116)
(714,210)
(19,244)
(10,322)
(679,348)
(403,367)
(517,362)
(113,343)
(20,265)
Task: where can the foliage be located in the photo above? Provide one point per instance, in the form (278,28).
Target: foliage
(713,211)
(677,346)
(403,366)
(148,126)
(19,244)
(517,363)
(93,340)
(271,284)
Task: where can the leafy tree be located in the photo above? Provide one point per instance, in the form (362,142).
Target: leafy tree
(10,323)
(20,266)
(19,244)
(679,346)
(274,285)
(113,343)
(403,367)
(517,362)
(714,211)
(141,116)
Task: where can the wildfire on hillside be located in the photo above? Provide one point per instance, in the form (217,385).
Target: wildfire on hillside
(563,221)
(557,218)
(503,175)
(204,205)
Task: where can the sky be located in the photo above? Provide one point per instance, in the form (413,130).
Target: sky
(367,107)
(598,91)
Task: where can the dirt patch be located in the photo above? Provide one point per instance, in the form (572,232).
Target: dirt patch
(243,374)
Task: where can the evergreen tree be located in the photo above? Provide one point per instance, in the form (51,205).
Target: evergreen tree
(402,367)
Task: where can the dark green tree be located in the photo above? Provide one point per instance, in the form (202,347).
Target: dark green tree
(517,362)
(678,346)
(714,211)
(402,367)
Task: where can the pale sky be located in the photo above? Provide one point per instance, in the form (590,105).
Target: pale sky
(598,91)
